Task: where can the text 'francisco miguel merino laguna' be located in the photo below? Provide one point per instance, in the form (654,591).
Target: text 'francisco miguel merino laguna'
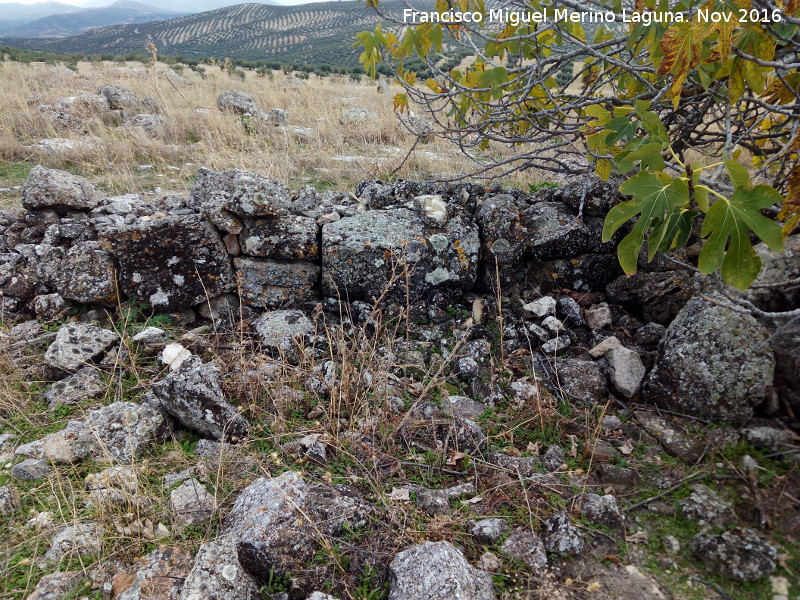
(504,15)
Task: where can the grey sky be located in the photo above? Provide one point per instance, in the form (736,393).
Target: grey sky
(160,3)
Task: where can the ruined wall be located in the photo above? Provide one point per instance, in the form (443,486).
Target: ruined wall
(241,233)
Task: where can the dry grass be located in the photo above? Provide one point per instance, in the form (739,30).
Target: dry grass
(336,156)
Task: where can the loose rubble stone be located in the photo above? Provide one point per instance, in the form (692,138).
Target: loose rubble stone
(150,336)
(767,437)
(598,316)
(360,255)
(158,574)
(581,380)
(617,582)
(119,477)
(50,307)
(119,98)
(83,539)
(216,573)
(527,547)
(675,442)
(602,510)
(78,344)
(125,429)
(283,331)
(191,504)
(560,535)
(171,262)
(9,501)
(238,103)
(31,469)
(51,188)
(310,447)
(276,283)
(713,362)
(193,396)
(604,347)
(437,571)
(437,502)
(488,531)
(553,458)
(626,370)
(85,384)
(706,507)
(57,586)
(738,554)
(152,125)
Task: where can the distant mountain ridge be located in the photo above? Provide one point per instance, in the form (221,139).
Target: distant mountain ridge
(318,33)
(80,21)
(15,14)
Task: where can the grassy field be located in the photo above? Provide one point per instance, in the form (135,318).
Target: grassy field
(114,157)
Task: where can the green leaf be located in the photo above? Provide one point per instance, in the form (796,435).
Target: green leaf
(623,128)
(656,198)
(728,224)
(738,174)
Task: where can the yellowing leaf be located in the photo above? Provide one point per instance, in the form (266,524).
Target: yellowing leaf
(400,102)
(682,47)
(603,168)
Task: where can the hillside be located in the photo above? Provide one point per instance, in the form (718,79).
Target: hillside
(15,14)
(321,33)
(77,22)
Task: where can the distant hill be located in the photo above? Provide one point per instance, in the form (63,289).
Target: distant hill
(318,33)
(14,14)
(80,21)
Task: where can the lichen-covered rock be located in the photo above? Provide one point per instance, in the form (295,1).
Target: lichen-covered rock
(119,98)
(706,507)
(776,267)
(488,531)
(239,194)
(56,586)
(284,331)
(272,283)
(785,343)
(9,501)
(738,554)
(713,362)
(191,504)
(556,232)
(73,541)
(277,522)
(527,547)
(368,254)
(152,125)
(171,262)
(560,535)
(437,571)
(78,344)
(86,383)
(31,469)
(216,573)
(289,237)
(625,370)
(503,230)
(60,190)
(86,274)
(193,396)
(659,295)
(50,307)
(602,510)
(159,574)
(238,103)
(125,429)
(581,380)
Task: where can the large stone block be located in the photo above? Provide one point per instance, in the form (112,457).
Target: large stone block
(289,237)
(274,283)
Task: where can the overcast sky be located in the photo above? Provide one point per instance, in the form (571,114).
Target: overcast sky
(165,4)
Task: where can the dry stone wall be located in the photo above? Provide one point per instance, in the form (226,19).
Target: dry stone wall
(245,234)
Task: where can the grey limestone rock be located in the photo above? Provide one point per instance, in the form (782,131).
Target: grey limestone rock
(625,370)
(86,383)
(283,331)
(31,469)
(269,283)
(191,504)
(526,546)
(706,507)
(738,554)
(581,380)
(193,396)
(86,274)
(560,535)
(488,531)
(78,344)
(119,98)
(437,571)
(56,586)
(237,193)
(72,541)
(9,501)
(289,237)
(673,440)
(713,363)
(52,188)
(503,230)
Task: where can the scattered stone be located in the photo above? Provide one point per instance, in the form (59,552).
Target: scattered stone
(602,452)
(310,447)
(490,562)
(602,510)
(9,501)
(626,370)
(713,362)
(118,477)
(598,315)
(193,396)
(31,469)
(85,384)
(738,554)
(56,586)
(78,344)
(123,430)
(152,125)
(581,380)
(216,572)
(620,478)
(191,504)
(542,307)
(527,547)
(156,575)
(553,458)
(675,442)
(50,307)
(488,531)
(355,116)
(611,423)
(437,502)
(706,507)
(73,541)
(150,336)
(437,571)
(60,190)
(560,535)
(119,98)
(463,407)
(238,103)
(556,345)
(284,331)
(174,355)
(768,438)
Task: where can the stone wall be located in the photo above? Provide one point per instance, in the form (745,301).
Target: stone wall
(241,233)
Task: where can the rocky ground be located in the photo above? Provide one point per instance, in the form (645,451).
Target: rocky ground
(406,391)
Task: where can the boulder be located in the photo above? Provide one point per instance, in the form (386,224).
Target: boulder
(368,255)
(738,554)
(193,396)
(713,362)
(777,267)
(502,228)
(556,232)
(437,571)
(238,103)
(78,344)
(119,98)
(171,262)
(785,343)
(60,190)
(85,384)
